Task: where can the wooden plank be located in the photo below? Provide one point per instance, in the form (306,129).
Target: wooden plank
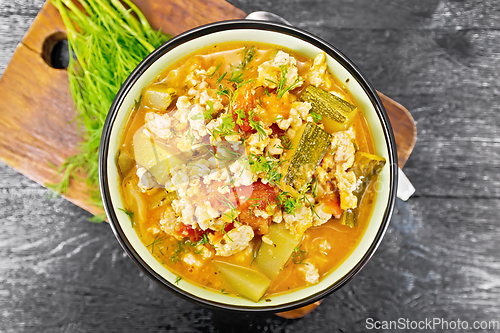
(176,16)
(36,127)
(404,128)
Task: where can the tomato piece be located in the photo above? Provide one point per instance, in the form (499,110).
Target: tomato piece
(247,195)
(260,225)
(188,231)
(261,195)
(332,204)
(278,132)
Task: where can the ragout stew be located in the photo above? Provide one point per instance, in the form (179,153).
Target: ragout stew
(248,169)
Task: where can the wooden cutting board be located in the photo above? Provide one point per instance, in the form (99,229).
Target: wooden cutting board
(36,107)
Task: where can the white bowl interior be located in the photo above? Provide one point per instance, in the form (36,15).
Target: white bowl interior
(263,37)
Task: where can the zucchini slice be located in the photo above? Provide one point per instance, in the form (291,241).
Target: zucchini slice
(125,162)
(244,281)
(366,167)
(158,96)
(271,258)
(309,147)
(161,198)
(337,114)
(155,156)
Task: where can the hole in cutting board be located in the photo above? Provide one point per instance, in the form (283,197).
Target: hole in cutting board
(55,51)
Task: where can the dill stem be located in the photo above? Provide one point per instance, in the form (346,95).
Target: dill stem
(131,20)
(144,22)
(119,21)
(106,42)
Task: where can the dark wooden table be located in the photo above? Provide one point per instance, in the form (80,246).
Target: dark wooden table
(439,258)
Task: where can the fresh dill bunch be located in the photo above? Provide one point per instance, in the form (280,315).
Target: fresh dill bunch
(106,42)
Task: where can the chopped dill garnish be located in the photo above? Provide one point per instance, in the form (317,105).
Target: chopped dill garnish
(312,205)
(158,240)
(269,166)
(298,255)
(177,280)
(129,214)
(223,228)
(282,82)
(269,80)
(252,206)
(241,115)
(215,71)
(236,77)
(220,78)
(260,102)
(248,55)
(225,128)
(290,205)
(254,253)
(281,88)
(316,116)
(223,91)
(208,114)
(137,102)
(175,257)
(203,240)
(286,143)
(224,292)
(255,124)
(190,136)
(197,116)
(243,83)
(315,186)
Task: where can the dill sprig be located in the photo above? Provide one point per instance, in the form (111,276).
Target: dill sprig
(255,124)
(248,55)
(316,117)
(215,70)
(254,253)
(298,255)
(129,214)
(236,77)
(208,114)
(286,143)
(156,242)
(106,42)
(269,166)
(281,88)
(225,128)
(241,115)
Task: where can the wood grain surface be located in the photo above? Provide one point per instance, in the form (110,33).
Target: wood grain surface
(439,258)
(40,137)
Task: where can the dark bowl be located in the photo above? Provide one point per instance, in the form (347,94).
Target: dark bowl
(257,31)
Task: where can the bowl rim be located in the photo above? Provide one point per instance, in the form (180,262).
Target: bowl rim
(252,25)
